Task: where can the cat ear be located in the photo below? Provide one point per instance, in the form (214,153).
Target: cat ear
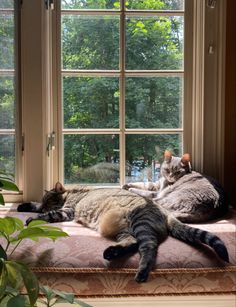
(168,156)
(185,158)
(59,188)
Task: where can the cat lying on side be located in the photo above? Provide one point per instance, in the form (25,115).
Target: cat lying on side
(135,222)
(190,196)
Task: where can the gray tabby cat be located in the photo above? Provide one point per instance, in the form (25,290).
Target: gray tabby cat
(189,195)
(135,222)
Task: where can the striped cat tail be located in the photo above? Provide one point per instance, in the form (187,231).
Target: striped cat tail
(193,235)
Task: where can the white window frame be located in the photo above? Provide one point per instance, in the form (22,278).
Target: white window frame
(204,92)
(120,73)
(16,132)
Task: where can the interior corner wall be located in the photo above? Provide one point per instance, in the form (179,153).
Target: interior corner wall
(230,104)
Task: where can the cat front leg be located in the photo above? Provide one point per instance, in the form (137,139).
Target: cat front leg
(143,193)
(30,207)
(54,216)
(140,185)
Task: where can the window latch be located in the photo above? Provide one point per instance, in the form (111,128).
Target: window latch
(211,4)
(49,4)
(51,142)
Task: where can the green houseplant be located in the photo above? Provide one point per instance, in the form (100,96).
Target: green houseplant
(14,275)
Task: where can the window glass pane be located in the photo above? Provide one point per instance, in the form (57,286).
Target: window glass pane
(7,87)
(91,102)
(155,4)
(90,4)
(144,154)
(90,42)
(6,41)
(7,103)
(7,153)
(154,43)
(91,159)
(5,4)
(154,102)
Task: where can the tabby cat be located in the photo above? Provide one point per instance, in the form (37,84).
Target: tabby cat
(189,195)
(135,222)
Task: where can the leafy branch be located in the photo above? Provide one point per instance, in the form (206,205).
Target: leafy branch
(14,275)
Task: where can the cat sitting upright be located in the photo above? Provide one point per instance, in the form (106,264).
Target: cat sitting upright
(190,196)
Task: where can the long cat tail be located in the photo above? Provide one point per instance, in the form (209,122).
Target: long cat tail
(193,235)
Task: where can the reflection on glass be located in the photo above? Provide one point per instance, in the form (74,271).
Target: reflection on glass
(88,4)
(7,103)
(91,102)
(91,159)
(155,5)
(154,102)
(154,43)
(6,41)
(144,155)
(90,42)
(7,153)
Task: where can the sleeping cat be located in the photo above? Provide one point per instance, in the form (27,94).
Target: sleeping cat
(135,222)
(190,196)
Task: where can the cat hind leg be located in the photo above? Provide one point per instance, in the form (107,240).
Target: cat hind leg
(126,244)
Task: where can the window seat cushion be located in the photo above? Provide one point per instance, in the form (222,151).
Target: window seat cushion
(76,264)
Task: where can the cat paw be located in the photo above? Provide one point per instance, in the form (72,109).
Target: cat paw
(24,207)
(112,252)
(30,219)
(141,276)
(126,186)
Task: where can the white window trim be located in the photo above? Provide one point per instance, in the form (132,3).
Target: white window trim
(40,95)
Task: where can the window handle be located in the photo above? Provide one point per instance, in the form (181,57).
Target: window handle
(49,4)
(211,4)
(51,142)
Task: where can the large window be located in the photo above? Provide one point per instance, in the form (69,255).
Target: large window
(7,87)
(106,86)
(122,77)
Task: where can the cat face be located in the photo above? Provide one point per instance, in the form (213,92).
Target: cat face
(54,198)
(174,168)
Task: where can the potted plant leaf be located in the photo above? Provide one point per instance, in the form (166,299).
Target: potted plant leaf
(15,275)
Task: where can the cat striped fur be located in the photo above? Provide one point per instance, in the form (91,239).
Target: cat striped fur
(189,195)
(136,223)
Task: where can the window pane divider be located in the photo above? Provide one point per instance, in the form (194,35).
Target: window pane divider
(148,73)
(154,131)
(7,131)
(126,131)
(7,11)
(154,13)
(7,72)
(127,13)
(116,73)
(91,131)
(75,73)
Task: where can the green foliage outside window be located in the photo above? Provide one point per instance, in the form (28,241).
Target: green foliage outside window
(91,42)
